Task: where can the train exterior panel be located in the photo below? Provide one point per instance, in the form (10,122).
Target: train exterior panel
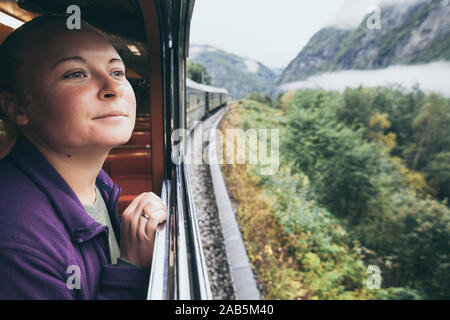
(195,104)
(201,100)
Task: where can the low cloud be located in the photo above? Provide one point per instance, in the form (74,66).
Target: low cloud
(431,77)
(352,12)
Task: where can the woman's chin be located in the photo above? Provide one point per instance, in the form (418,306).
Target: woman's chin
(116,136)
(114,140)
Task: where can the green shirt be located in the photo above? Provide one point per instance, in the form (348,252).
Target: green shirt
(99,213)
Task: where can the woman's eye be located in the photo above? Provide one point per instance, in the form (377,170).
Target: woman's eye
(75,75)
(118,73)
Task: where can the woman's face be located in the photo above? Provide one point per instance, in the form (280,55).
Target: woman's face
(78,96)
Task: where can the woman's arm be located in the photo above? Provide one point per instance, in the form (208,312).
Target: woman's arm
(29,275)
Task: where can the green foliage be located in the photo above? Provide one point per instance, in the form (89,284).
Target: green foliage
(421,125)
(336,158)
(255,96)
(400,293)
(421,234)
(357,107)
(332,266)
(437,172)
(401,107)
(356,180)
(346,202)
(431,132)
(197,72)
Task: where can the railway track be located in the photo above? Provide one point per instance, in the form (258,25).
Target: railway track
(208,219)
(227,263)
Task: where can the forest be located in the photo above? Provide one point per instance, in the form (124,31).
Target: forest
(363,185)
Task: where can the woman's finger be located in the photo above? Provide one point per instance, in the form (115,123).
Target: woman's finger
(142,225)
(156,218)
(149,210)
(147,205)
(136,219)
(148,198)
(132,206)
(126,219)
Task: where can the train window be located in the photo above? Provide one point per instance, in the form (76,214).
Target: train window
(58,181)
(66,99)
(129,40)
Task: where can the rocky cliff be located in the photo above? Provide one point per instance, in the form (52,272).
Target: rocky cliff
(409,34)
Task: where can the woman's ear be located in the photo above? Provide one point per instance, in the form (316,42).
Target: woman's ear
(14,111)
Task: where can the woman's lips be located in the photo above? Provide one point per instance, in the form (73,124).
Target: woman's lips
(111,115)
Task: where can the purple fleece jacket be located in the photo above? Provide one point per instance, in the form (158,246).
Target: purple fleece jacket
(50,248)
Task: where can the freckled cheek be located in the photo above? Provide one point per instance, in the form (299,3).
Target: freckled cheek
(74,102)
(130,99)
(64,111)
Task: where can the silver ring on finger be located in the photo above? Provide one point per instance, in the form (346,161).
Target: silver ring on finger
(145,216)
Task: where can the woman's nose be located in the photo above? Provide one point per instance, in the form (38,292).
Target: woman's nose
(110,88)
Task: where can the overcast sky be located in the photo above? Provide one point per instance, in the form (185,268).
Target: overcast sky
(270,31)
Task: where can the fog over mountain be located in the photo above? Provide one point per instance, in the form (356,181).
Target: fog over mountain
(412,32)
(412,47)
(353,11)
(431,77)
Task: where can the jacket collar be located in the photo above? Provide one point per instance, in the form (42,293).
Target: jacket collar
(65,202)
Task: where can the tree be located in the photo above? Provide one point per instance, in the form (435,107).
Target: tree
(337,159)
(197,72)
(258,97)
(419,254)
(431,132)
(357,108)
(338,147)
(437,172)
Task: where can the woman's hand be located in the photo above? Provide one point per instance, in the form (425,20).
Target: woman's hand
(138,231)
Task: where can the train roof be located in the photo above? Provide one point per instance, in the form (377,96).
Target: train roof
(203,87)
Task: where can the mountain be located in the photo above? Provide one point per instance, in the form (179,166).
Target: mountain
(278,71)
(240,76)
(416,33)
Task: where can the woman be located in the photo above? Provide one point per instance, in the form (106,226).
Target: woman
(66,95)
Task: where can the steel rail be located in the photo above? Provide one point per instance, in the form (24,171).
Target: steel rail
(201,273)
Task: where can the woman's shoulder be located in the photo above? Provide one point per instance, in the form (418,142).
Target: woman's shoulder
(16,187)
(26,213)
